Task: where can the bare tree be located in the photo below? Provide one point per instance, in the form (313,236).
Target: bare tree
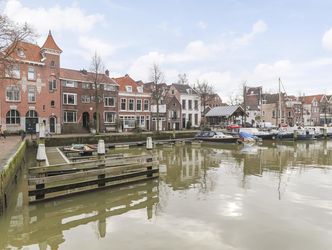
(96,76)
(183,79)
(158,89)
(11,35)
(205,92)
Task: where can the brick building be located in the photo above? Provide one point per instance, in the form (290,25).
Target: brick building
(79,99)
(134,104)
(30,92)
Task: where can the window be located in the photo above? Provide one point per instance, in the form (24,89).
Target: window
(20,53)
(69,84)
(273,114)
(123,104)
(85,99)
(70,116)
(190,104)
(139,105)
(196,119)
(142,121)
(52,64)
(128,121)
(69,98)
(190,117)
(196,105)
(13,117)
(31,94)
(129,88)
(140,89)
(109,102)
(85,85)
(172,91)
(52,104)
(31,73)
(183,104)
(13,94)
(31,114)
(51,84)
(131,104)
(16,71)
(109,117)
(109,87)
(146,104)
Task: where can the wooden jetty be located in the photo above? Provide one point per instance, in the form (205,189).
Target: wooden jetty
(71,177)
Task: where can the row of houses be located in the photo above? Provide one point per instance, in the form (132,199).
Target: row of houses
(280,108)
(38,90)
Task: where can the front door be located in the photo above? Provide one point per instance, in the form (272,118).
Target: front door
(52,124)
(31,119)
(86,119)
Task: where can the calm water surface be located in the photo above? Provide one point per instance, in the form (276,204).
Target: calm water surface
(210,197)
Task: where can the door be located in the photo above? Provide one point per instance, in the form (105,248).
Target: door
(86,119)
(52,124)
(177,126)
(31,119)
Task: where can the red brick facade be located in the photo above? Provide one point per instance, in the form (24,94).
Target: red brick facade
(30,93)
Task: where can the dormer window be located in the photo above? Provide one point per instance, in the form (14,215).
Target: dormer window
(129,89)
(140,89)
(20,53)
(189,91)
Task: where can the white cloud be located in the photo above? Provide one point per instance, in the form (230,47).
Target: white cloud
(202,25)
(57,18)
(257,28)
(90,45)
(327,40)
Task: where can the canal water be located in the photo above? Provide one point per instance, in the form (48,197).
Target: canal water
(271,196)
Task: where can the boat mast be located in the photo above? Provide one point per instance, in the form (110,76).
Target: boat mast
(279,101)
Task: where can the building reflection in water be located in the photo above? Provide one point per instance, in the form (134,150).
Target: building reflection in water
(45,223)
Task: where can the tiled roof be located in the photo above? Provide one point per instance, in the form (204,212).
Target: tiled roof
(31,52)
(50,43)
(224,111)
(128,81)
(79,75)
(309,98)
(182,88)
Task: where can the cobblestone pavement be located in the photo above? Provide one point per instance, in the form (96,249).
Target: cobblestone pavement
(8,147)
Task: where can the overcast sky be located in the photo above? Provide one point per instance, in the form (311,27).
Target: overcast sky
(225,42)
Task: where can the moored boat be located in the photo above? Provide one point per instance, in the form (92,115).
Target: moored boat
(214,136)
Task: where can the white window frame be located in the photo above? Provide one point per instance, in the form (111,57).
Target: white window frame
(107,101)
(13,89)
(137,101)
(112,115)
(65,98)
(140,89)
(86,85)
(69,84)
(131,101)
(65,116)
(32,98)
(148,103)
(129,89)
(31,73)
(109,87)
(85,99)
(52,84)
(125,104)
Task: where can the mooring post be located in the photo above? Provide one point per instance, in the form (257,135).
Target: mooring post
(42,131)
(325,131)
(41,155)
(149,143)
(295,134)
(101,149)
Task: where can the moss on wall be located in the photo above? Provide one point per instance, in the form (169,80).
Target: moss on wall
(8,174)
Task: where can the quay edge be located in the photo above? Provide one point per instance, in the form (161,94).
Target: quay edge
(9,175)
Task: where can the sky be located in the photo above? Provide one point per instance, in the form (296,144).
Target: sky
(226,43)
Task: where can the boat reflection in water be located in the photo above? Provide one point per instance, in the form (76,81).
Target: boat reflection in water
(271,196)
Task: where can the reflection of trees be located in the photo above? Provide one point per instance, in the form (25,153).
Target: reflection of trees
(45,223)
(187,166)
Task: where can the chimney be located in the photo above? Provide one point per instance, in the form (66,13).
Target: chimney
(126,75)
(84,71)
(107,72)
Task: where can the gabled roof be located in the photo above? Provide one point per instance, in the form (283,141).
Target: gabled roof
(182,88)
(84,76)
(225,111)
(50,43)
(31,52)
(310,98)
(126,80)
